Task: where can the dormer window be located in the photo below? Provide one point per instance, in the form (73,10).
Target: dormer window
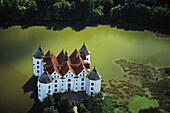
(51,56)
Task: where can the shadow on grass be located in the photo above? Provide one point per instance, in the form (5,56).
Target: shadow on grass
(31,85)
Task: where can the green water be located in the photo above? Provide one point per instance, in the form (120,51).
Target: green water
(105,44)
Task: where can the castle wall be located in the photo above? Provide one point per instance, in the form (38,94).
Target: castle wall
(87,58)
(43,89)
(93,86)
(37,67)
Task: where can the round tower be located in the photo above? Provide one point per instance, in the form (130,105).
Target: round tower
(84,51)
(93,82)
(44,86)
(38,62)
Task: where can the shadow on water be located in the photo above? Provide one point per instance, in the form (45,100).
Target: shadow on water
(31,86)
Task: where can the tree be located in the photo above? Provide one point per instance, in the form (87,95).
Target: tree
(62,10)
(48,101)
(65,105)
(150,110)
(50,109)
(82,108)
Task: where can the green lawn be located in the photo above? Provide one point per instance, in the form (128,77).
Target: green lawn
(136,103)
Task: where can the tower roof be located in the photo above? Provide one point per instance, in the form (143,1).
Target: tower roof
(94,75)
(83,50)
(39,54)
(45,78)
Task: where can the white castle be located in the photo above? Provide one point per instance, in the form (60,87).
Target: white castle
(62,73)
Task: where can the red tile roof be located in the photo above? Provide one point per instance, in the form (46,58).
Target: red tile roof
(75,63)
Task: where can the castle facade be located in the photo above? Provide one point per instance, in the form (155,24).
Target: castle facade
(65,73)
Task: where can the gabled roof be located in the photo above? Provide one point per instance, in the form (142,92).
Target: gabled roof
(94,75)
(80,68)
(83,50)
(74,55)
(60,57)
(66,67)
(39,54)
(45,78)
(75,63)
(48,54)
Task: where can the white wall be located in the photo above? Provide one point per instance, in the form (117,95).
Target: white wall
(37,67)
(43,89)
(93,86)
(87,59)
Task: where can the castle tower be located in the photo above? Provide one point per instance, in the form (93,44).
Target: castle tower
(93,82)
(44,86)
(37,62)
(83,50)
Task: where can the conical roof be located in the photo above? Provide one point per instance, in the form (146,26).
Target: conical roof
(94,75)
(39,54)
(45,78)
(84,50)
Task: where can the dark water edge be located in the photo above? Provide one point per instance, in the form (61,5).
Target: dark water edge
(81,25)
(31,86)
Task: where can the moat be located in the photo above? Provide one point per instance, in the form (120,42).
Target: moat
(107,44)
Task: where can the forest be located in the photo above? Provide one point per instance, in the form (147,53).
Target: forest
(152,15)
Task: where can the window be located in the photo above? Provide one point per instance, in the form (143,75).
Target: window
(56,85)
(39,95)
(72,75)
(55,90)
(82,83)
(83,71)
(62,84)
(62,89)
(62,81)
(38,71)
(76,79)
(49,91)
(66,75)
(80,74)
(37,62)
(48,87)
(92,84)
(76,87)
(33,64)
(69,80)
(76,83)
(82,88)
(91,93)
(91,88)
(37,66)
(87,59)
(82,79)
(39,90)
(54,76)
(55,81)
(83,74)
(39,85)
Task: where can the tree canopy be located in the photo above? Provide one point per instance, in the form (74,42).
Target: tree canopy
(151,15)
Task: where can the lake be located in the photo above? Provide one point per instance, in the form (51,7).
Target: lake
(105,44)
